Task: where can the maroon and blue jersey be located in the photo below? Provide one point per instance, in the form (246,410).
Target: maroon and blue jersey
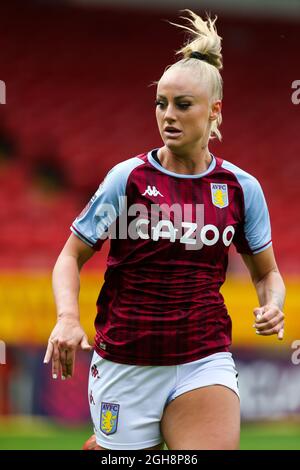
(170,234)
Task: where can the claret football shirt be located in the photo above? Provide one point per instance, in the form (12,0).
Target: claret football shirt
(169,233)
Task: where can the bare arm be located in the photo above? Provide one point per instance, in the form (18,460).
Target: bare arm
(65,278)
(67,334)
(270,291)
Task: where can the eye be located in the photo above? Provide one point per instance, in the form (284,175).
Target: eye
(183,105)
(159,103)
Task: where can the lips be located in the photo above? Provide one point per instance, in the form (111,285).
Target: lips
(171,131)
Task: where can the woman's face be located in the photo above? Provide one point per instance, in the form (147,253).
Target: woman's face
(183,110)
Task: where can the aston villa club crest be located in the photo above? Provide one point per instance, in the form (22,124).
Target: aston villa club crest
(109,417)
(219,195)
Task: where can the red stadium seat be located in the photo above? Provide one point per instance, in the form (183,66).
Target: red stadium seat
(90,106)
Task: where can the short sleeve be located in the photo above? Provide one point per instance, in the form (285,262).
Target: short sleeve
(254,235)
(93,223)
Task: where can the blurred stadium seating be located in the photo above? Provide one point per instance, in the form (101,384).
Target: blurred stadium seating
(79,101)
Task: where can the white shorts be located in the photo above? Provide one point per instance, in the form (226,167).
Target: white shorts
(127,401)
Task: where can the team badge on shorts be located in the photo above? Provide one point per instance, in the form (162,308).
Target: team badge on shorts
(219,194)
(109,417)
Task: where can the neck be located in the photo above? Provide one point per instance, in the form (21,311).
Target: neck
(187,163)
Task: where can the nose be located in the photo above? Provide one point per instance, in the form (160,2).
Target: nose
(170,113)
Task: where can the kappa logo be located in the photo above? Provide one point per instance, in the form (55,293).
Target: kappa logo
(219,194)
(109,417)
(152,191)
(91,398)
(95,372)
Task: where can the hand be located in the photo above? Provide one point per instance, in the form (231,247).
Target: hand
(65,338)
(269,320)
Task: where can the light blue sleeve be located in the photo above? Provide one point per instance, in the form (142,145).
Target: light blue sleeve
(257,227)
(92,225)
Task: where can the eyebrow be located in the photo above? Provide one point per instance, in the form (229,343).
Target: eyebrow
(176,97)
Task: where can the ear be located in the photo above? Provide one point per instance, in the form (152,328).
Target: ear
(215,110)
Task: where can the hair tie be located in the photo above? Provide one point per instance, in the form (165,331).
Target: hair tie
(199,56)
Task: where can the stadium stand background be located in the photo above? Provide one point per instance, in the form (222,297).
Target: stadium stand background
(79,100)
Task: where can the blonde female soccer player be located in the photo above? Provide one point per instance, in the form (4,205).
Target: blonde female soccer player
(162,370)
